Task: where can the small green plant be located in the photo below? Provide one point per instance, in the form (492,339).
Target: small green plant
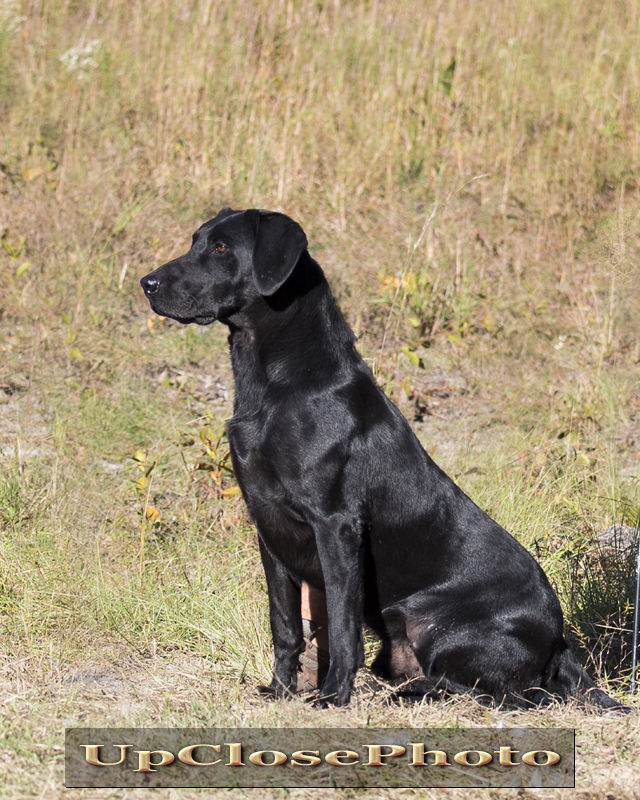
(602,590)
(14,252)
(11,501)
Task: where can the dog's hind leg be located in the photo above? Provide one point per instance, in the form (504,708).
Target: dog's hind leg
(286,625)
(488,665)
(395,659)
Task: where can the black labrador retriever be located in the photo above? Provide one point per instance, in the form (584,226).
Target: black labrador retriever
(345,498)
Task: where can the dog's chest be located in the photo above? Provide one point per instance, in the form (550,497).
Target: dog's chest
(273,449)
(255,472)
(265,467)
(271,500)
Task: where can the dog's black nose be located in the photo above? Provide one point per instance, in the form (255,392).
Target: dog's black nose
(149,284)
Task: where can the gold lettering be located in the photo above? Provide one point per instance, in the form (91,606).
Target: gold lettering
(483,758)
(145,764)
(278,758)
(93,757)
(186,755)
(309,756)
(235,754)
(505,756)
(530,758)
(419,754)
(376,755)
(335,756)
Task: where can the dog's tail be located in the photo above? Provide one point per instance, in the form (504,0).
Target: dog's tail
(567,673)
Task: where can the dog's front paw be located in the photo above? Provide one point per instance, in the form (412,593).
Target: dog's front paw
(333,693)
(276,690)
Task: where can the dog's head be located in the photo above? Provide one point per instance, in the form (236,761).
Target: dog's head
(234,259)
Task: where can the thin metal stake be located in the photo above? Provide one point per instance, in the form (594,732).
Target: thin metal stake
(636,615)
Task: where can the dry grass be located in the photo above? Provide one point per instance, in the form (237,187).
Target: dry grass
(466,173)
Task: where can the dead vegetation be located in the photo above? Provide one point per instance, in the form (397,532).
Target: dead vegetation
(467,175)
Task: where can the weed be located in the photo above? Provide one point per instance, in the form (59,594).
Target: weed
(467,176)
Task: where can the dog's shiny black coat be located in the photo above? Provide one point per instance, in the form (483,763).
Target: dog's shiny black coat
(344,496)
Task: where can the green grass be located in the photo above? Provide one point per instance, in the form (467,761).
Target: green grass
(466,174)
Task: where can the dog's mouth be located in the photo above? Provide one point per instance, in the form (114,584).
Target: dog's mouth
(222,314)
(199,319)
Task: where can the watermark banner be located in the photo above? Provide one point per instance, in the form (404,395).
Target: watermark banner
(319,757)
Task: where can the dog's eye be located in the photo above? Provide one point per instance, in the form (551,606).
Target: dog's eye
(221,248)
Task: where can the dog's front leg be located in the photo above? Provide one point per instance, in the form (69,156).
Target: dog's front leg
(341,556)
(286,624)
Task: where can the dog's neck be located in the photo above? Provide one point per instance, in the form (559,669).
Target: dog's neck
(276,339)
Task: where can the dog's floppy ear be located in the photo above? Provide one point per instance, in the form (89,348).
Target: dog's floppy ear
(279,243)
